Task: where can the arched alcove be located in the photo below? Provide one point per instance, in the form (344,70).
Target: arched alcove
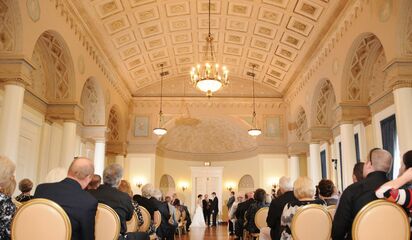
(10,26)
(167,185)
(323,104)
(301,124)
(93,103)
(113,125)
(246,184)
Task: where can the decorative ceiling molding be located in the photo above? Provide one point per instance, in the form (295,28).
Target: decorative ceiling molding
(325,47)
(87,40)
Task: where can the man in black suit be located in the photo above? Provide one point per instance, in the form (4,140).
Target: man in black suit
(240,213)
(166,230)
(214,208)
(79,205)
(206,209)
(277,205)
(361,193)
(120,202)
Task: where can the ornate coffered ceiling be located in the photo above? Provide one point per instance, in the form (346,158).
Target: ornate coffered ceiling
(276,35)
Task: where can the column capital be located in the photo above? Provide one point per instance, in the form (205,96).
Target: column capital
(117,148)
(349,112)
(65,112)
(97,133)
(318,134)
(399,73)
(298,148)
(15,69)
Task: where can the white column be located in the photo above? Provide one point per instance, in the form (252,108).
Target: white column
(293,167)
(44,166)
(10,120)
(99,155)
(403,102)
(348,152)
(120,160)
(68,148)
(314,168)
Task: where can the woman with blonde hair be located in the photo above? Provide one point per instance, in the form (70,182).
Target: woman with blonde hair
(125,187)
(7,186)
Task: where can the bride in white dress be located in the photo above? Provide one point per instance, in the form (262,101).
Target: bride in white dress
(198,220)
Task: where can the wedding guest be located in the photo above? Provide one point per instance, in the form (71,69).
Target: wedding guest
(240,214)
(326,189)
(94,183)
(233,209)
(125,187)
(165,231)
(144,201)
(229,205)
(7,186)
(357,172)
(25,187)
(182,208)
(304,191)
(260,202)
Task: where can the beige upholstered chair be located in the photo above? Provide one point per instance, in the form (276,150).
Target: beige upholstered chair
(17,203)
(146,219)
(311,222)
(132,224)
(260,220)
(331,209)
(41,219)
(157,219)
(107,226)
(381,220)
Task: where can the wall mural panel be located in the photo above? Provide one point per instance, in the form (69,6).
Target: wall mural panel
(141,124)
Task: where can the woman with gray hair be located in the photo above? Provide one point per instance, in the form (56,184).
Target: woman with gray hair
(7,186)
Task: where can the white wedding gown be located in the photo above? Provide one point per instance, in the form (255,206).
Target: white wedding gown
(198,220)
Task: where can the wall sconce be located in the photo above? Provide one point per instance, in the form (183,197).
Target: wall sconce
(230,186)
(139,184)
(184,186)
(274,183)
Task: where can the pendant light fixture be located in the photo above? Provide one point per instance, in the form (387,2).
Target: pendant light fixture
(160,131)
(208,77)
(254,131)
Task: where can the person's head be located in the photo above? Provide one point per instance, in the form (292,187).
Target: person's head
(303,188)
(206,196)
(174,195)
(260,195)
(406,162)
(95,182)
(125,187)
(213,194)
(176,202)
(168,199)
(325,187)
(199,196)
(81,170)
(232,193)
(250,195)
(112,175)
(7,179)
(285,184)
(25,185)
(147,190)
(379,160)
(239,198)
(357,172)
(157,194)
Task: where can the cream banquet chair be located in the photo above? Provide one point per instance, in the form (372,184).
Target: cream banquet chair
(132,224)
(41,219)
(260,220)
(157,219)
(17,203)
(107,225)
(381,220)
(146,219)
(310,222)
(331,209)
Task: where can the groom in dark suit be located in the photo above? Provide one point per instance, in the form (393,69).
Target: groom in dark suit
(214,208)
(206,209)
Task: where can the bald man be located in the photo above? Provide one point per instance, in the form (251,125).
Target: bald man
(361,193)
(79,205)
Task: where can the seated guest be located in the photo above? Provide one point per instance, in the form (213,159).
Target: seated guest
(260,202)
(94,183)
(165,230)
(400,190)
(326,189)
(25,187)
(240,213)
(357,174)
(361,193)
(120,202)
(79,205)
(125,187)
(144,201)
(276,209)
(7,186)
(233,209)
(172,210)
(182,208)
(304,191)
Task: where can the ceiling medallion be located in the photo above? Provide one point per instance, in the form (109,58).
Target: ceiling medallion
(254,131)
(160,131)
(208,77)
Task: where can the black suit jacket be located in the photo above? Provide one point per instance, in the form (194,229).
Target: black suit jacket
(275,212)
(146,203)
(242,208)
(165,228)
(206,206)
(119,201)
(215,205)
(352,200)
(79,205)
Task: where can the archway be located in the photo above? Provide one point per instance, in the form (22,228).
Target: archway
(93,103)
(167,185)
(246,184)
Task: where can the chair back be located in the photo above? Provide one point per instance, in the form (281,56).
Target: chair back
(107,225)
(41,219)
(16,203)
(146,219)
(380,220)
(157,219)
(132,224)
(331,209)
(260,217)
(310,222)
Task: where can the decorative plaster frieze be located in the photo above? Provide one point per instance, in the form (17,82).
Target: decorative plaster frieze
(83,34)
(348,113)
(64,111)
(399,72)
(317,134)
(16,69)
(297,148)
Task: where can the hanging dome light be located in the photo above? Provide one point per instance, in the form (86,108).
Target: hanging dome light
(160,131)
(254,131)
(209,78)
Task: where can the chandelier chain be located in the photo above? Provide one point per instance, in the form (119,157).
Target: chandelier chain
(161,90)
